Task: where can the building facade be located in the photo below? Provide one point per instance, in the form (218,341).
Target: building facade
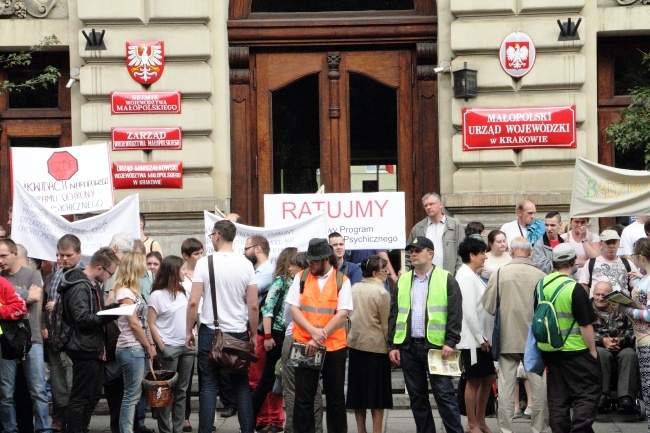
(285,96)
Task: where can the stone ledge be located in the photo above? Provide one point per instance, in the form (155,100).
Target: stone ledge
(504,202)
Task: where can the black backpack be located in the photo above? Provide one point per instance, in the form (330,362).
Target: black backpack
(16,339)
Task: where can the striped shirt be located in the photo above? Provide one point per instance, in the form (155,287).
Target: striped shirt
(419,292)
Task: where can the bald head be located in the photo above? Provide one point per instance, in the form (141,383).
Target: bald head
(234,218)
(601,289)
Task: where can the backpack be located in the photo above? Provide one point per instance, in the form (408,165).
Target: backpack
(545,324)
(60,332)
(592,263)
(16,339)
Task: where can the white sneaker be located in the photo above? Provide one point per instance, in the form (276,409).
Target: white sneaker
(528,412)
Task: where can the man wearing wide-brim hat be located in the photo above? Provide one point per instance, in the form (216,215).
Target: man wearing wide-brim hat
(319,304)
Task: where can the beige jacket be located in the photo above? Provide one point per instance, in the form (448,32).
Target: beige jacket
(369,319)
(517,282)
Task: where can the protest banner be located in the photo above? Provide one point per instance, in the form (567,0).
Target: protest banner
(366,220)
(67,181)
(602,191)
(295,234)
(38,229)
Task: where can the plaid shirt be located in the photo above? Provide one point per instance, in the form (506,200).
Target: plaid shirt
(419,293)
(613,323)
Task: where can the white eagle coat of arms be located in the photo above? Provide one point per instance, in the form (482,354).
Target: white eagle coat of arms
(145,61)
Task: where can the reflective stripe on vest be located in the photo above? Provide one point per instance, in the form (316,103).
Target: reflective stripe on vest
(436,307)
(319,307)
(563,311)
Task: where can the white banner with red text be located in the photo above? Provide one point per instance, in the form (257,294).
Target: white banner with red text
(38,229)
(365,220)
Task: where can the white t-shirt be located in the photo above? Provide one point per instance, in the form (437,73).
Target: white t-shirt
(612,271)
(580,248)
(172,314)
(434,233)
(345,294)
(127,338)
(630,235)
(513,230)
(233,273)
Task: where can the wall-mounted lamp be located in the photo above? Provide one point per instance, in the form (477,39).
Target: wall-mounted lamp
(465,83)
(569,30)
(94,41)
(74,77)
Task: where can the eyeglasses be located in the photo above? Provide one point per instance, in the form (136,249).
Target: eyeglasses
(214,233)
(384,270)
(108,272)
(248,248)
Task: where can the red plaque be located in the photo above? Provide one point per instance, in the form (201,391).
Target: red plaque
(62,165)
(146,102)
(145,61)
(147,175)
(519,128)
(146,138)
(517,54)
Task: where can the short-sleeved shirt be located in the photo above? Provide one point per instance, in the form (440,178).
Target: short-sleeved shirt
(612,271)
(171,316)
(345,294)
(22,281)
(233,273)
(276,296)
(127,337)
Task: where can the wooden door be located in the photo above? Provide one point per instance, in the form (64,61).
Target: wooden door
(316,114)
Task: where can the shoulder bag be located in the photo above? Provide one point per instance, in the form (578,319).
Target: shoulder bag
(228,352)
(496,331)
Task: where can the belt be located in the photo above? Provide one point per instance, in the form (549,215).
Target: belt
(418,340)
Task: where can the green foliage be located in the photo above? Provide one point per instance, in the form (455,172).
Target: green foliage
(632,131)
(49,75)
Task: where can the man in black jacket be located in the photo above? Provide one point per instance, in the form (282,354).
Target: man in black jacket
(82,300)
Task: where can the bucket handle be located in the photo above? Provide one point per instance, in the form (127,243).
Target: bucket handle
(151,368)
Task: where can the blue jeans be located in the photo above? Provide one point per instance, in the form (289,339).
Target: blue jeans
(415,367)
(209,378)
(131,360)
(34,368)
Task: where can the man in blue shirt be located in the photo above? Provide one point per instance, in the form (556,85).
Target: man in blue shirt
(352,271)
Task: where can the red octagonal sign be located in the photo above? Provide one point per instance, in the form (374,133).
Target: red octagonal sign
(62,165)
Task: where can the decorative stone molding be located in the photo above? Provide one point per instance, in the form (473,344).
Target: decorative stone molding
(238,60)
(426,60)
(20,8)
(629,2)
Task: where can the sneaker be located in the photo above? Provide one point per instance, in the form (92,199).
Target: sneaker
(228,412)
(528,412)
(517,414)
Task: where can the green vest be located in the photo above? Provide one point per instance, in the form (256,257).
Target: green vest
(566,322)
(436,325)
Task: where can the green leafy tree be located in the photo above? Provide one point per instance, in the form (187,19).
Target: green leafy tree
(49,75)
(632,131)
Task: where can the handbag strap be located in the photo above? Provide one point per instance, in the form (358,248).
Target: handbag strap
(498,297)
(213,290)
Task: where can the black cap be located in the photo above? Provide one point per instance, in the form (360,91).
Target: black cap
(318,249)
(420,242)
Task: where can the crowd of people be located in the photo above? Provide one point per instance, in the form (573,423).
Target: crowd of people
(355,308)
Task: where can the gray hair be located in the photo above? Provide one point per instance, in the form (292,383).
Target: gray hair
(123,242)
(521,243)
(432,194)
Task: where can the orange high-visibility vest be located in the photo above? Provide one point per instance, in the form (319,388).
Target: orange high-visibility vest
(319,308)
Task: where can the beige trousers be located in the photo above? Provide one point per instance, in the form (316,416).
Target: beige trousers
(508,363)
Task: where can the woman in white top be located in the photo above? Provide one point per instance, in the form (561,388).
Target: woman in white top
(475,334)
(497,256)
(586,244)
(166,317)
(133,342)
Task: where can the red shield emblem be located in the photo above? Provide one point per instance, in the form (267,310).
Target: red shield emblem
(145,61)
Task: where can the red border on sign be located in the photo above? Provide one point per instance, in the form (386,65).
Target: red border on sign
(146,139)
(516,118)
(171,105)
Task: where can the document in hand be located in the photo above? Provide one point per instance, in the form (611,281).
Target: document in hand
(622,298)
(126,310)
(444,367)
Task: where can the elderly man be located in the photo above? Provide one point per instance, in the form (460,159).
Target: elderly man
(515,284)
(615,345)
(543,248)
(444,231)
(525,225)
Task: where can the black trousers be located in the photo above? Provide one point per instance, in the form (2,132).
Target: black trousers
(268,373)
(333,385)
(87,380)
(573,381)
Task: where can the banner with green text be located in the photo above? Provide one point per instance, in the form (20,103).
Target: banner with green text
(602,191)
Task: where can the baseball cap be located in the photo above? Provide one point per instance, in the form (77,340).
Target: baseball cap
(563,251)
(420,242)
(609,235)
